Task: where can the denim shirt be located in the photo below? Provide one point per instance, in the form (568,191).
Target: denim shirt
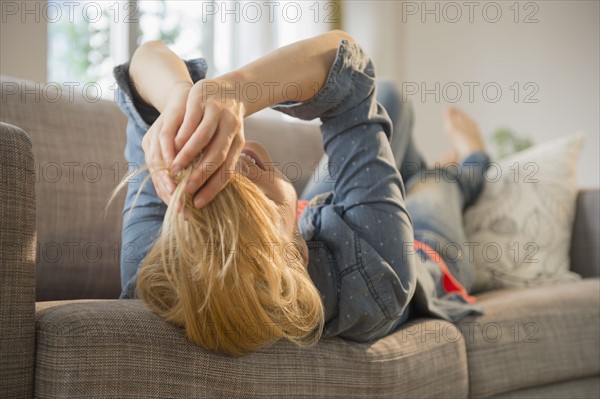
(360,236)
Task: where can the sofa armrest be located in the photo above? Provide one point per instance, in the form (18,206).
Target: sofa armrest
(17,263)
(585,244)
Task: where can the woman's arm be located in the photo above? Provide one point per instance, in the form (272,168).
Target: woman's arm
(369,277)
(292,73)
(155,71)
(300,67)
(208,117)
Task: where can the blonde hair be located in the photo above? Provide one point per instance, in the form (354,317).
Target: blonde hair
(228,274)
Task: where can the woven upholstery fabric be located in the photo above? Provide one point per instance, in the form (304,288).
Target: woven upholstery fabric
(585,247)
(117,349)
(584,388)
(17,263)
(533,336)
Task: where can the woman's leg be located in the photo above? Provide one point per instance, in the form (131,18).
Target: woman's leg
(408,160)
(437,198)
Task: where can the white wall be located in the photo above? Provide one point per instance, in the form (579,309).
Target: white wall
(559,55)
(23,40)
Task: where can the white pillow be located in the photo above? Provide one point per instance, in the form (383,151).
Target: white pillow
(520,227)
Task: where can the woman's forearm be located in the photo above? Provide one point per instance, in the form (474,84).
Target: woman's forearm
(155,71)
(292,73)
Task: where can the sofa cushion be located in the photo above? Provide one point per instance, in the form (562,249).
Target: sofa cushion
(583,388)
(533,336)
(115,348)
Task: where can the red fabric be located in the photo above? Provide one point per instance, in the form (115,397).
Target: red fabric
(301,205)
(450,283)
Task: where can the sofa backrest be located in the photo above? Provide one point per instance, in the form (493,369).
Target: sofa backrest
(78,146)
(78,150)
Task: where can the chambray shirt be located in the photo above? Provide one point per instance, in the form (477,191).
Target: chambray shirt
(360,235)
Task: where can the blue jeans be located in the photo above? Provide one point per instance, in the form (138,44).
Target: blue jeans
(436,197)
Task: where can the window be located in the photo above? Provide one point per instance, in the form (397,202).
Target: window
(79,42)
(86,39)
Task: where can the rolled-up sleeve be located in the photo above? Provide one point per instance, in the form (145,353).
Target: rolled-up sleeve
(129,100)
(365,223)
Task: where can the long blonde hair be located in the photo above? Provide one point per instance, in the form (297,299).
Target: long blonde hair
(228,274)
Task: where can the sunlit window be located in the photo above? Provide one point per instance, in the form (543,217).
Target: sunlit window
(180,24)
(79,43)
(89,38)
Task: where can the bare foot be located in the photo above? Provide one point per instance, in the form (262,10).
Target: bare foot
(450,157)
(463,131)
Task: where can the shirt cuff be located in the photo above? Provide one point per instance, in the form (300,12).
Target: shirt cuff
(335,96)
(131,103)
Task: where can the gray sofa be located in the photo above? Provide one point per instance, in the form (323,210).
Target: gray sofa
(63,333)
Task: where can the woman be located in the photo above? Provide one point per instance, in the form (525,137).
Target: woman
(225,260)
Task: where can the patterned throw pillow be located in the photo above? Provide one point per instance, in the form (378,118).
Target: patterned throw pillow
(520,227)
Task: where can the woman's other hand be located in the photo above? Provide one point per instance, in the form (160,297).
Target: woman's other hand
(212,132)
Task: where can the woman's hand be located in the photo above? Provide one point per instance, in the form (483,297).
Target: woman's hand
(213,130)
(158,142)
(196,119)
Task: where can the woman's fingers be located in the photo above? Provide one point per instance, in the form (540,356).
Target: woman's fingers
(196,126)
(194,114)
(160,177)
(215,154)
(146,140)
(224,173)
(198,140)
(166,138)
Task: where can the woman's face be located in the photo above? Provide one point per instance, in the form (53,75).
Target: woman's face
(256,164)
